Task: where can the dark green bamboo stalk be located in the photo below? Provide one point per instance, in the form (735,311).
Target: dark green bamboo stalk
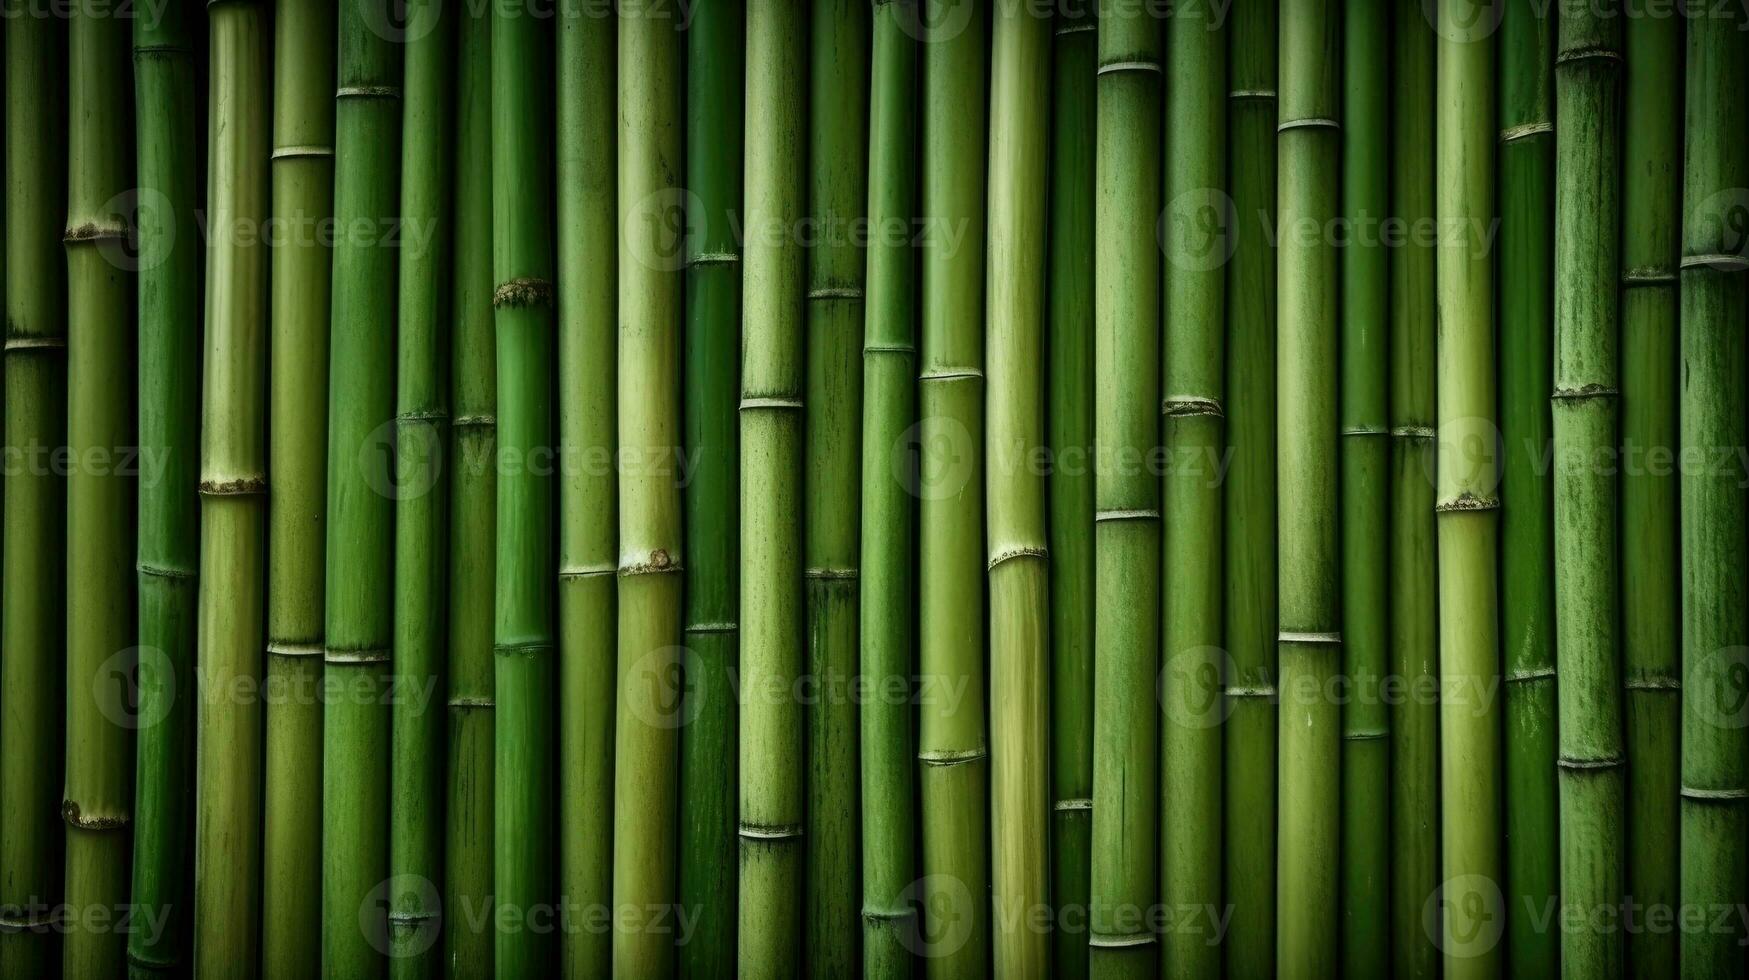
(1249,505)
(838,197)
(1651,574)
(951,742)
(588,494)
(359,607)
(32,622)
(522,637)
(1365,497)
(1310,571)
(169,117)
(889,409)
(1715,545)
(1020,805)
(771,722)
(1468,505)
(1126,542)
(1527,599)
(1194,301)
(473,476)
(1586,410)
(303,196)
(421,497)
(1069,427)
(101,590)
(233,500)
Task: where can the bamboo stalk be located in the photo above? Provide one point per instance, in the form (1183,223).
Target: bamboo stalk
(1586,414)
(838,197)
(101,591)
(233,500)
(473,489)
(1467,519)
(588,522)
(169,120)
(1651,583)
(359,608)
(1715,545)
(1194,304)
(1527,600)
(1365,498)
(1310,575)
(1249,504)
(1069,427)
(303,196)
(1126,542)
(1015,491)
(951,742)
(771,721)
(421,500)
(522,637)
(32,620)
(889,409)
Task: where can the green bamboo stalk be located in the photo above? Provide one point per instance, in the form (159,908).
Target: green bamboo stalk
(951,742)
(32,621)
(522,270)
(771,721)
(1467,508)
(1310,570)
(838,198)
(1586,412)
(303,196)
(1014,283)
(169,118)
(1126,542)
(421,501)
(1365,499)
(1651,575)
(889,409)
(473,494)
(1715,545)
(359,608)
(233,500)
(101,591)
(589,521)
(1249,505)
(1069,427)
(1527,599)
(1194,302)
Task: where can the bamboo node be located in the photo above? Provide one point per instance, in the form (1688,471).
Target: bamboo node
(523,291)
(1309,638)
(1590,53)
(368,92)
(92,232)
(1071,27)
(1250,690)
(300,152)
(785,404)
(470,701)
(942,758)
(659,562)
(711,627)
(422,415)
(1585,391)
(1074,803)
(277,649)
(1584,765)
(1117,67)
(712,258)
(836,292)
(909,350)
(1366,735)
(1653,683)
(1716,261)
(1106,940)
(357,655)
(1467,501)
(155,570)
(1648,276)
(27,923)
(899,914)
(1310,122)
(1012,553)
(78,820)
(412,918)
(1251,93)
(1126,514)
(474,422)
(1714,795)
(573,572)
(243,486)
(830,574)
(161,51)
(523,648)
(770,832)
(1512,134)
(1365,430)
(25,342)
(944,374)
(1413,432)
(1529,674)
(1187,406)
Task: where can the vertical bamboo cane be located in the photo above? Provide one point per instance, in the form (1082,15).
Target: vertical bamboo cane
(1194,302)
(1651,584)
(32,622)
(522,636)
(233,495)
(359,608)
(303,197)
(838,196)
(169,119)
(588,492)
(1069,426)
(1527,600)
(951,743)
(1468,505)
(421,498)
(1014,284)
(1715,545)
(1249,504)
(101,594)
(889,408)
(473,489)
